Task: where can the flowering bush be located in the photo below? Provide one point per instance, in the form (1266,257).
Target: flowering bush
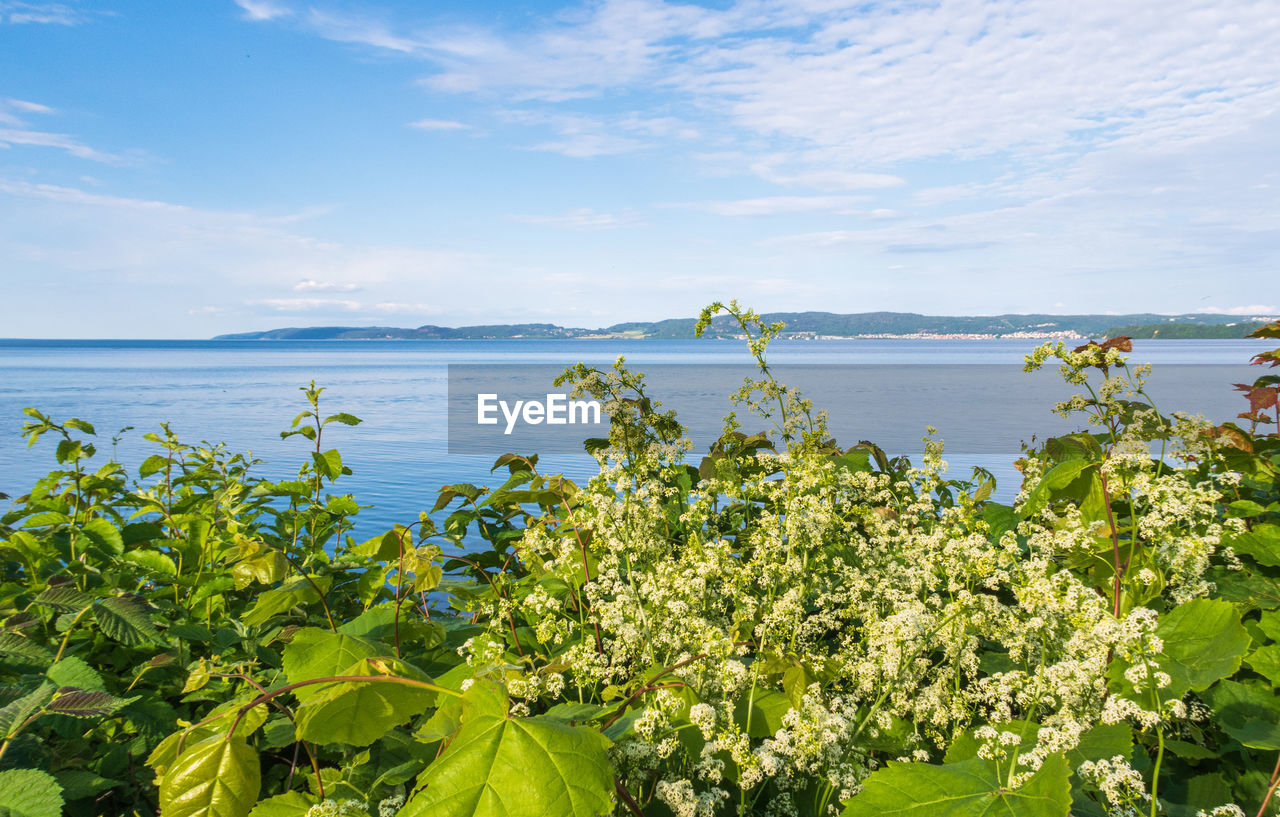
(787,628)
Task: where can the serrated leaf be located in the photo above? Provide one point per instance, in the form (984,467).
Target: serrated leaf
(358,713)
(1262,544)
(124,619)
(81,704)
(15,713)
(1266,661)
(29,793)
(213,778)
(970,788)
(525,767)
(77,783)
(1248,713)
(315,653)
(153,562)
(75,672)
(344,418)
(296,590)
(289,804)
(65,599)
(105,535)
(14,646)
(328,464)
(1204,641)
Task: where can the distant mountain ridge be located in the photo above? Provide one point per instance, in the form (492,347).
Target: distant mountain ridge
(799,325)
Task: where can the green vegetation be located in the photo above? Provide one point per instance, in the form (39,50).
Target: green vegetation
(789,627)
(1148,331)
(802,324)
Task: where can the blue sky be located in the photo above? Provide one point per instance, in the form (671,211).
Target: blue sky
(184,169)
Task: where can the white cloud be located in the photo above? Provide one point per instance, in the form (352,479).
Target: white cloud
(582,219)
(263,9)
(61,141)
(19,132)
(398,308)
(360,30)
(309,285)
(306,304)
(775,205)
(439,124)
(47,13)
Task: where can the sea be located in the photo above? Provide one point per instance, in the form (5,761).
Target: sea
(244,393)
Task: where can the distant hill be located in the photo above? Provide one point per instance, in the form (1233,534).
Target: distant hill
(809,325)
(1166,331)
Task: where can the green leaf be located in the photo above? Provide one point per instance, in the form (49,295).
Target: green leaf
(328,464)
(105,535)
(14,646)
(971,788)
(767,709)
(81,704)
(342,417)
(65,598)
(77,783)
(315,653)
(1203,642)
(289,804)
(1262,544)
(29,793)
(358,713)
(1245,507)
(1248,713)
(1058,477)
(529,767)
(1102,742)
(1266,661)
(124,619)
(295,590)
(15,713)
(153,562)
(75,672)
(215,777)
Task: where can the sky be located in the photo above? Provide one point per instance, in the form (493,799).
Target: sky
(184,169)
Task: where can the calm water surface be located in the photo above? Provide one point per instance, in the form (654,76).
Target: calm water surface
(245,392)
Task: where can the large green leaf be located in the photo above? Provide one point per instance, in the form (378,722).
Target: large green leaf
(315,653)
(512,767)
(1058,478)
(124,619)
(14,714)
(216,777)
(29,793)
(24,650)
(294,591)
(1266,661)
(75,672)
(358,713)
(971,788)
(1248,713)
(289,804)
(1262,543)
(1204,641)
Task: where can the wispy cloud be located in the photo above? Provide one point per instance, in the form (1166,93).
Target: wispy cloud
(775,205)
(306,304)
(439,124)
(309,285)
(263,9)
(582,219)
(61,14)
(361,30)
(15,112)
